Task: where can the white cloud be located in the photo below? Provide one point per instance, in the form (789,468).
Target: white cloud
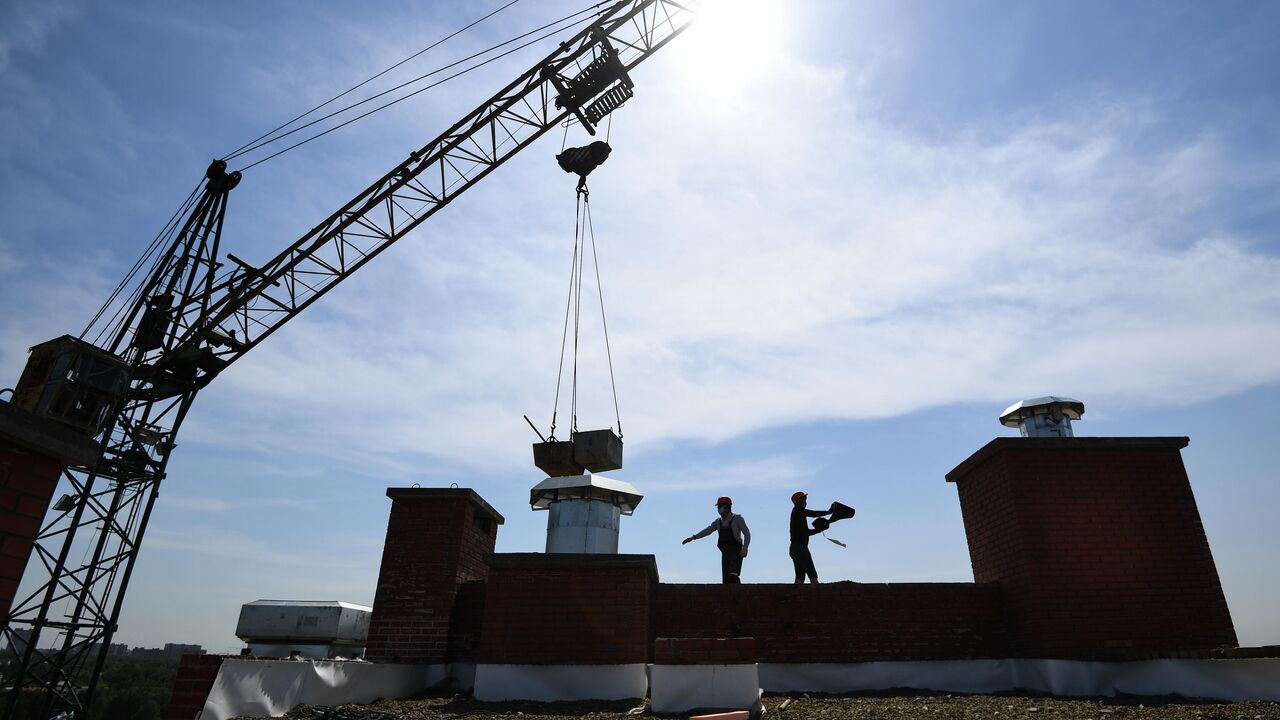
(777,471)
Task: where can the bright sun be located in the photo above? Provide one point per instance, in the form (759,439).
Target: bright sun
(732,44)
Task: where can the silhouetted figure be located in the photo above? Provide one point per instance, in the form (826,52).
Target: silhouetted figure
(733,537)
(800,533)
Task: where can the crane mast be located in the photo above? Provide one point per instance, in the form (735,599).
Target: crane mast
(195,315)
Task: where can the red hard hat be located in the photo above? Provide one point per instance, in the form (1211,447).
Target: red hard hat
(797,495)
(724,500)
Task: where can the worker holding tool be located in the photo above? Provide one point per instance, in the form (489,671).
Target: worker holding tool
(733,537)
(800,533)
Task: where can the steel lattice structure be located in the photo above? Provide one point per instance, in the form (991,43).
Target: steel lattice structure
(192,319)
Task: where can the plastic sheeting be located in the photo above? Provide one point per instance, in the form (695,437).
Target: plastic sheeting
(551,683)
(270,688)
(678,688)
(1244,679)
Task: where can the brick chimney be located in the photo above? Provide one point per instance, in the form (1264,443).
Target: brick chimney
(1097,545)
(437,539)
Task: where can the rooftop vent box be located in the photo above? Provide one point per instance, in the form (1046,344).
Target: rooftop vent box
(315,628)
(1048,416)
(298,620)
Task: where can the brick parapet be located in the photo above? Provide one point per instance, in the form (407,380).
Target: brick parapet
(704,651)
(567,609)
(839,622)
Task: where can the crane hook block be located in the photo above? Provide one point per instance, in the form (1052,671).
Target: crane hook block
(582,160)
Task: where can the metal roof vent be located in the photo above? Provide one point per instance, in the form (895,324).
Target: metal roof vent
(1048,416)
(584,512)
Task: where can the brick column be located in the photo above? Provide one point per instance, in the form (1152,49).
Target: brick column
(1097,544)
(33,452)
(27,482)
(566,609)
(437,539)
(191,686)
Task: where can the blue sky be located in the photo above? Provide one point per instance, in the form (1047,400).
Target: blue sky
(837,239)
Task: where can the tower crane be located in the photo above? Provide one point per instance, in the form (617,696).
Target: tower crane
(198,311)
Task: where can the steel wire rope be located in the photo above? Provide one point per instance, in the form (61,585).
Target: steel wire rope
(564,337)
(117,322)
(579,240)
(604,322)
(384,106)
(165,232)
(361,84)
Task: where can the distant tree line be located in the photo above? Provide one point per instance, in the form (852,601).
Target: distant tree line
(128,689)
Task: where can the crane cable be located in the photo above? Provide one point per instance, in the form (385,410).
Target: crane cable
(166,232)
(604,322)
(160,240)
(246,147)
(572,20)
(583,229)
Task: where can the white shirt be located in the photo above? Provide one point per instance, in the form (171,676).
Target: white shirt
(737,526)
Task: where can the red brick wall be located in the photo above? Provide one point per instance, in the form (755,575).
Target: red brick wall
(567,609)
(437,540)
(704,651)
(196,674)
(27,482)
(1097,544)
(464,625)
(839,622)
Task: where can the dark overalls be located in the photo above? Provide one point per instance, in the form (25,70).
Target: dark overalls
(730,552)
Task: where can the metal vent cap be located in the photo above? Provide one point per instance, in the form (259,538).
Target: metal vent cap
(1048,416)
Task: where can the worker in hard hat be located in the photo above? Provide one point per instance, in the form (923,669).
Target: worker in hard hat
(800,533)
(733,537)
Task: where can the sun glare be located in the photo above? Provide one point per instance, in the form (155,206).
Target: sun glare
(733,44)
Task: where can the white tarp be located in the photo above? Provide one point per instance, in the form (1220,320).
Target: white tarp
(1245,679)
(550,683)
(270,688)
(679,688)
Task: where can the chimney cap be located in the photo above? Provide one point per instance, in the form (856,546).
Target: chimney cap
(585,487)
(1017,413)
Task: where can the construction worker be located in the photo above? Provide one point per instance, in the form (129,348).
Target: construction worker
(733,537)
(800,533)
